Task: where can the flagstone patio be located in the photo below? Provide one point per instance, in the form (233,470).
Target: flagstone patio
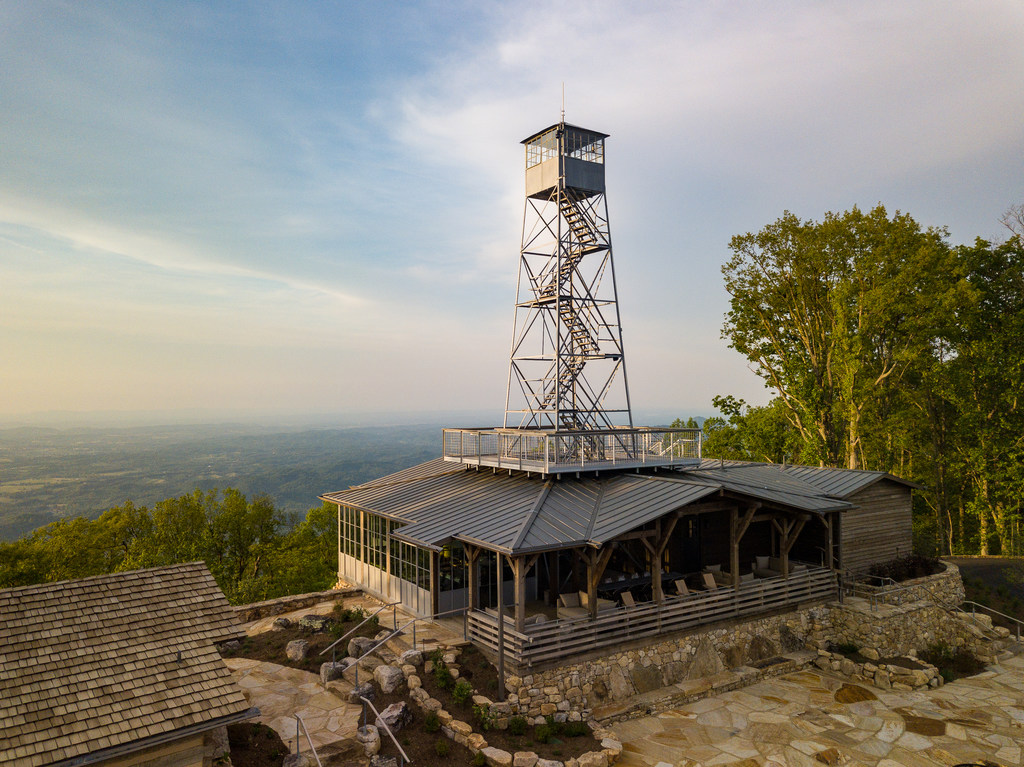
(809,718)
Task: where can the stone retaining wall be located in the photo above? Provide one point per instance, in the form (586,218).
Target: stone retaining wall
(891,629)
(257,610)
(945,587)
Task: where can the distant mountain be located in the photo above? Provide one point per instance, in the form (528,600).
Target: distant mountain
(47,473)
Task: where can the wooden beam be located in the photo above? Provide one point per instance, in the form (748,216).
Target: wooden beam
(794,532)
(829,553)
(597,561)
(472,554)
(748,517)
(734,546)
(554,578)
(501,628)
(636,535)
(518,591)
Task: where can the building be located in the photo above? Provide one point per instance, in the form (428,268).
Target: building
(117,669)
(579,528)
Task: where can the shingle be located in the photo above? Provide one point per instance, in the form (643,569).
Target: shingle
(80,660)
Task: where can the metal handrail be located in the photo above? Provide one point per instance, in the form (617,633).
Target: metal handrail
(367,702)
(333,644)
(1016,621)
(298,749)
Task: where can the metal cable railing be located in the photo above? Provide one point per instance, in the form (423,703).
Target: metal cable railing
(336,642)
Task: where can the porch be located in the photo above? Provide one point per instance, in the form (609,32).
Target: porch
(551,640)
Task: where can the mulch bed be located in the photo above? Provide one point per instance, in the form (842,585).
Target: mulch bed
(478,671)
(419,745)
(255,745)
(270,645)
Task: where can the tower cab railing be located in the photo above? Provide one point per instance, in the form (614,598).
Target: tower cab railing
(553,452)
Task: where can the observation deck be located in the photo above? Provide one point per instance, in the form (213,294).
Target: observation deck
(559,452)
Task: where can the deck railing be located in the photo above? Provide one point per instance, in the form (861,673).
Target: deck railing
(552,452)
(553,640)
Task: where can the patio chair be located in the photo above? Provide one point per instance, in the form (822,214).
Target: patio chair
(627,600)
(681,588)
(602,604)
(710,584)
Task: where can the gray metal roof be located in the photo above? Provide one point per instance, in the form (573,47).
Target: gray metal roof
(437,501)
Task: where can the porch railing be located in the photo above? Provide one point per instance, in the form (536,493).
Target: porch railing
(557,639)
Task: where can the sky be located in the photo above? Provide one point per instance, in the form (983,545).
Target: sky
(272,208)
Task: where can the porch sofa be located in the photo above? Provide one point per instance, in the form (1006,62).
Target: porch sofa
(771,567)
(577,606)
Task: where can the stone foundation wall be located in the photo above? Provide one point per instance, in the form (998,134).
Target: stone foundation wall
(621,675)
(945,587)
(257,610)
(895,625)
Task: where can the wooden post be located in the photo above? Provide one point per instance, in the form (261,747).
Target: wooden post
(597,561)
(656,553)
(830,554)
(519,574)
(501,628)
(434,582)
(734,546)
(472,584)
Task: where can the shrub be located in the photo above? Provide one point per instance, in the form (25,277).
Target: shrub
(575,729)
(436,656)
(462,692)
(441,747)
(905,568)
(517,725)
(483,715)
(443,677)
(544,733)
(479,760)
(432,723)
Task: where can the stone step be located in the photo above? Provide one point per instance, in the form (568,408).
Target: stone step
(692,690)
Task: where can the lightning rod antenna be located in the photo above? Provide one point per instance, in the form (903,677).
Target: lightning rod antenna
(563,100)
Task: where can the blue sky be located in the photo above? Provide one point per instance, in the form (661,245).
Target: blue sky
(272,208)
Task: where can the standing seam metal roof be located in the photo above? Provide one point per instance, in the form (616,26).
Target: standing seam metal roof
(516,513)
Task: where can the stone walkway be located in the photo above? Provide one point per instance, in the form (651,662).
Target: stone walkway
(808,719)
(281,692)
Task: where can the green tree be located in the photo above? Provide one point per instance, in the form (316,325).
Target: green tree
(834,315)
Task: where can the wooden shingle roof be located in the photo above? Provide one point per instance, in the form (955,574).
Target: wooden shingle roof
(95,665)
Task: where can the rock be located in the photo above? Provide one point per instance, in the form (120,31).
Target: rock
(705,661)
(316,623)
(389,678)
(414,682)
(280,624)
(501,709)
(496,757)
(445,717)
(646,678)
(370,662)
(524,759)
(230,646)
(383,761)
(296,760)
(549,763)
(365,690)
(480,700)
(593,759)
(357,646)
(369,737)
(330,671)
(612,747)
(297,649)
(419,695)
(411,657)
(620,687)
(395,716)
(461,728)
(475,741)
(408,670)
(870,653)
(432,704)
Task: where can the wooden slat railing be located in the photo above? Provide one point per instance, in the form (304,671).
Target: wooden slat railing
(553,640)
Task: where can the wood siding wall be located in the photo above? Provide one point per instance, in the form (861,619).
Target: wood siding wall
(879,529)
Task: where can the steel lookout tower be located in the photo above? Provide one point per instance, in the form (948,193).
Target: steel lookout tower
(567,402)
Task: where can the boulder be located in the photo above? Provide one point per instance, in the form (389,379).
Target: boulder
(297,649)
(411,657)
(383,761)
(593,759)
(370,662)
(357,646)
(388,677)
(280,624)
(414,682)
(230,646)
(365,690)
(496,757)
(369,737)
(315,623)
(395,716)
(524,759)
(330,671)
